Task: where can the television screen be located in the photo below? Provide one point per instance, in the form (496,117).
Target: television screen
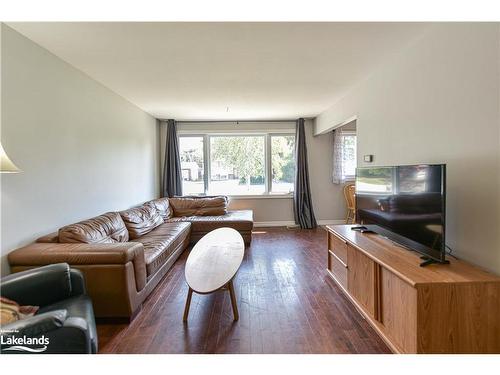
(406,204)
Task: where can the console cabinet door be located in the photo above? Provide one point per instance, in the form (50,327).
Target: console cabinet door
(361,280)
(398,311)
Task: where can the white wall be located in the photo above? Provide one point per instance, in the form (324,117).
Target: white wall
(83,149)
(328,199)
(438,102)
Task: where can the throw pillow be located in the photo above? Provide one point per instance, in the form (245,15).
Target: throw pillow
(11,311)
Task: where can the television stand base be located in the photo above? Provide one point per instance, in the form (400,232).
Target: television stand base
(437,309)
(427,261)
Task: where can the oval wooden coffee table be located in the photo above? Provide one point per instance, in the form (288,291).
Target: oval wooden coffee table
(213,263)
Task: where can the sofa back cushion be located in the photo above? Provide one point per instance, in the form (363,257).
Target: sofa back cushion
(163,207)
(199,206)
(106,228)
(141,220)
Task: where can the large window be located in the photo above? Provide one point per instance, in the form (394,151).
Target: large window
(237,164)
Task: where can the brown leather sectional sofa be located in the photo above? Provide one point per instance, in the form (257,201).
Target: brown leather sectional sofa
(124,255)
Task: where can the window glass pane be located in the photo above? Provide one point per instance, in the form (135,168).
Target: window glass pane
(237,165)
(283,163)
(349,155)
(191,153)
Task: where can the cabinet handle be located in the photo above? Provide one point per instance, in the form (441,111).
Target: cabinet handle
(345,265)
(339,260)
(341,239)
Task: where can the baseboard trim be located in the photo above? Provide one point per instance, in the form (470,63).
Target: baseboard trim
(260,224)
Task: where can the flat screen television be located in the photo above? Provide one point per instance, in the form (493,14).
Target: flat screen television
(406,204)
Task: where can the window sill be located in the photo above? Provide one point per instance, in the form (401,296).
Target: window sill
(262,196)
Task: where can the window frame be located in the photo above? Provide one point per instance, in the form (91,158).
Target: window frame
(267,159)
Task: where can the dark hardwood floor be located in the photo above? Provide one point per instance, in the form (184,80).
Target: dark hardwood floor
(287,304)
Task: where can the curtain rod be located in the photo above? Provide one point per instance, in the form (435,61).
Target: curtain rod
(226,121)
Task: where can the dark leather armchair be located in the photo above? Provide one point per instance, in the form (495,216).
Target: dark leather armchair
(65,317)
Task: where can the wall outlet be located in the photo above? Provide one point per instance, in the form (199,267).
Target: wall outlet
(368,158)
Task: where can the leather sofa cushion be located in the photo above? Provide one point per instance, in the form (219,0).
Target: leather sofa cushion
(106,228)
(241,220)
(141,220)
(163,207)
(161,242)
(199,206)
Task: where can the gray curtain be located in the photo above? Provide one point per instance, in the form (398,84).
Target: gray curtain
(302,203)
(172,174)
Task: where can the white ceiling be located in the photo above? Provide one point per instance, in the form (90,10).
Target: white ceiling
(197,70)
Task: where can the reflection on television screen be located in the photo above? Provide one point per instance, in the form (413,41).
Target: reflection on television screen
(408,201)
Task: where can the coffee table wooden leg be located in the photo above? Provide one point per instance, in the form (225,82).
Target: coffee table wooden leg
(188,304)
(233,300)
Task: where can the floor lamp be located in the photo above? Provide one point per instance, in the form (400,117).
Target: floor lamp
(6,165)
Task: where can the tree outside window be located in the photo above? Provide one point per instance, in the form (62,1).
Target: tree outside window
(238,164)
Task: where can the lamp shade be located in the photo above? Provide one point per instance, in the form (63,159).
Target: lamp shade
(6,165)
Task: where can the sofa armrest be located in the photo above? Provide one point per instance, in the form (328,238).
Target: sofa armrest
(82,254)
(62,332)
(36,325)
(38,254)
